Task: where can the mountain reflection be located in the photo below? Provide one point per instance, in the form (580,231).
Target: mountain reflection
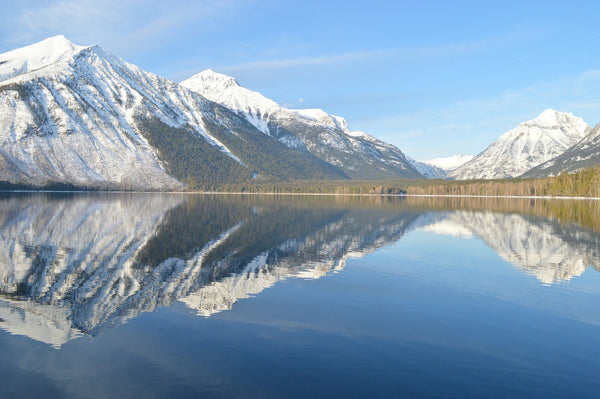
(73,265)
(538,246)
(79,265)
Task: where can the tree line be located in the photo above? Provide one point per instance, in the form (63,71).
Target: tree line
(585,183)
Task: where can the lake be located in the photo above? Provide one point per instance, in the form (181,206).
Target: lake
(108,295)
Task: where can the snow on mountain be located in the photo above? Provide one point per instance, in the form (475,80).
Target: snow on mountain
(70,114)
(524,147)
(449,163)
(439,168)
(584,154)
(325,136)
(427,170)
(225,90)
(336,122)
(37,56)
(78,114)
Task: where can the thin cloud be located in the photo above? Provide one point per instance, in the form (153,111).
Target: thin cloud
(121,25)
(404,54)
(308,61)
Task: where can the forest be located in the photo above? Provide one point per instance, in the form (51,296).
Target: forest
(585,183)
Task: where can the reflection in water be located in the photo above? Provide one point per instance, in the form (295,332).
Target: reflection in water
(72,266)
(542,247)
(84,264)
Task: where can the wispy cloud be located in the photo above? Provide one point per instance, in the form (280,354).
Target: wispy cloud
(118,24)
(307,61)
(400,54)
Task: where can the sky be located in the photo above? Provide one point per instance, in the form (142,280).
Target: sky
(434,78)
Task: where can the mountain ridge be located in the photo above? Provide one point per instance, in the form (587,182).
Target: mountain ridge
(584,154)
(80,115)
(358,154)
(527,145)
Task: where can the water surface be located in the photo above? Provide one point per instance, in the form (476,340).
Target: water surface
(160,295)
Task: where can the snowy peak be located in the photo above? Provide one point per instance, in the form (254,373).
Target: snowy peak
(449,163)
(526,146)
(320,116)
(225,90)
(37,56)
(584,154)
(325,136)
(210,79)
(560,126)
(427,170)
(551,118)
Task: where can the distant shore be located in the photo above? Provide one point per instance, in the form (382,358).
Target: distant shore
(553,197)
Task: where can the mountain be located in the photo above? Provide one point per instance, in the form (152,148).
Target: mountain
(438,168)
(524,147)
(358,154)
(428,171)
(80,115)
(449,163)
(584,154)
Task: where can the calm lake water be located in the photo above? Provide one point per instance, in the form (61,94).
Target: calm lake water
(155,296)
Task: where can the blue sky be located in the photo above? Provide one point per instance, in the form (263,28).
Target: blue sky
(435,78)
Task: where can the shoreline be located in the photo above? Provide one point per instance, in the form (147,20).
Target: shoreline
(300,194)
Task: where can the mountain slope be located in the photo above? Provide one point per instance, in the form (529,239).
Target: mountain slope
(438,168)
(428,171)
(325,136)
(582,155)
(80,115)
(524,147)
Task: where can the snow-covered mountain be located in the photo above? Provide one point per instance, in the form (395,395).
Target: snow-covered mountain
(438,168)
(66,115)
(450,163)
(428,171)
(584,154)
(326,136)
(524,147)
(78,114)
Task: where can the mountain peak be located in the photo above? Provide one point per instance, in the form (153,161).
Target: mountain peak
(37,56)
(208,77)
(551,117)
(526,146)
(58,40)
(451,162)
(226,91)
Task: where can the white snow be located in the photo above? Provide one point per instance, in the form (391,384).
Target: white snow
(37,56)
(451,162)
(75,117)
(333,141)
(427,170)
(225,90)
(526,146)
